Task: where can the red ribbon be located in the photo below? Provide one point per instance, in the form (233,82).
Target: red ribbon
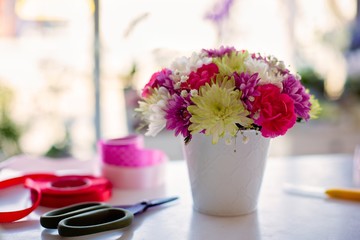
(50,190)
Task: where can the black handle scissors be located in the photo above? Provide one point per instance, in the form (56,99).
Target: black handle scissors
(93,217)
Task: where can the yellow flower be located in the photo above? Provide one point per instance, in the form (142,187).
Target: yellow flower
(217,109)
(315,108)
(233,63)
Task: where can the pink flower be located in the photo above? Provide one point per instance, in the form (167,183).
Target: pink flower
(159,79)
(203,75)
(275,111)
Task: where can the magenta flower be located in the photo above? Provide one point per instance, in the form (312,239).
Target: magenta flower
(177,115)
(159,79)
(275,109)
(219,52)
(203,75)
(293,88)
(246,83)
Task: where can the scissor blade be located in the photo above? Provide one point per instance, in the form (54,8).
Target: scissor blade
(159,201)
(143,206)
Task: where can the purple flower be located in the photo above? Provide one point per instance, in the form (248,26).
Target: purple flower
(297,92)
(177,115)
(159,79)
(164,80)
(219,52)
(220,11)
(246,83)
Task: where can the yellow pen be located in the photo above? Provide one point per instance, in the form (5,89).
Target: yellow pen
(338,193)
(344,193)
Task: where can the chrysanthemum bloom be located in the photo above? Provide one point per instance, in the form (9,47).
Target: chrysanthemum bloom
(233,62)
(297,92)
(203,75)
(315,107)
(246,83)
(177,115)
(273,111)
(159,79)
(153,110)
(216,111)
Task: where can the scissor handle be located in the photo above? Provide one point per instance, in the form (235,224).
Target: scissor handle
(95,221)
(51,219)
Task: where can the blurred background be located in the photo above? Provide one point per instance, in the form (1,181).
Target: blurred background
(71,70)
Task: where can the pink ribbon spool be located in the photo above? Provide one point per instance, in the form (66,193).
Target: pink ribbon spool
(129,152)
(128,165)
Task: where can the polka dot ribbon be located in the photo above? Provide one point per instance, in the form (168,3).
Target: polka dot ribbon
(129,152)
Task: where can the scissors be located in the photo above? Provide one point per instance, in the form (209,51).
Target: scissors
(93,217)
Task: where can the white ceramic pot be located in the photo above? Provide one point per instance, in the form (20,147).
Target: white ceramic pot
(226,179)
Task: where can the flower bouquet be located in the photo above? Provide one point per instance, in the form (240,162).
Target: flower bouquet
(217,94)
(223,91)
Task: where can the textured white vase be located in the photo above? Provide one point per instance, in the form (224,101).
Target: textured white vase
(226,179)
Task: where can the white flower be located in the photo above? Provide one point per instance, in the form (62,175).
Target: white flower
(153,110)
(184,93)
(182,67)
(194,92)
(275,77)
(257,66)
(267,74)
(197,60)
(184,78)
(281,65)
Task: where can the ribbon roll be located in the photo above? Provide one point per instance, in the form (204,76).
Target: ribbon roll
(129,152)
(57,191)
(12,216)
(128,165)
(66,190)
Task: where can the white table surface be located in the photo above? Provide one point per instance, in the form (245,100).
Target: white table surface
(280,215)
